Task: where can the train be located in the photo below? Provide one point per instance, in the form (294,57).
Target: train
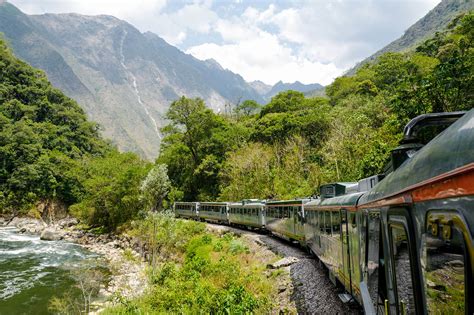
(400,242)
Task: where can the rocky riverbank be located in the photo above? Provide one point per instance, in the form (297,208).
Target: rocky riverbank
(122,254)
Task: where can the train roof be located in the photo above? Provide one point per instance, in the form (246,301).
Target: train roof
(185,202)
(247,205)
(451,149)
(214,203)
(297,201)
(348,200)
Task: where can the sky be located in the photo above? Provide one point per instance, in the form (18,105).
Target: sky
(311,41)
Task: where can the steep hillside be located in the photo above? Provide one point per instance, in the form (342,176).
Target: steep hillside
(124,79)
(42,135)
(436,20)
(261,87)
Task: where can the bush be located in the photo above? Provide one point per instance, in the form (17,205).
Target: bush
(204,273)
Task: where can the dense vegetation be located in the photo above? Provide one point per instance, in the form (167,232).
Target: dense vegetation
(51,156)
(294,143)
(217,274)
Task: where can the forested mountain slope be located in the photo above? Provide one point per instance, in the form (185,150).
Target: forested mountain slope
(437,20)
(124,79)
(42,133)
(52,157)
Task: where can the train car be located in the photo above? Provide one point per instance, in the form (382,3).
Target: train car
(214,212)
(285,218)
(186,210)
(417,229)
(332,234)
(248,213)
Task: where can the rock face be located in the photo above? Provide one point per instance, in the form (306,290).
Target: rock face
(437,20)
(125,80)
(49,234)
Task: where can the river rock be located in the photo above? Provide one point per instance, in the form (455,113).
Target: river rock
(29,225)
(50,235)
(68,222)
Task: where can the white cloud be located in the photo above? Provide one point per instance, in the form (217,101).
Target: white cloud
(124,9)
(344,32)
(261,56)
(306,40)
(174,27)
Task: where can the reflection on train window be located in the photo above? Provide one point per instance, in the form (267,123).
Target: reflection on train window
(327,222)
(336,223)
(402,266)
(321,221)
(373,258)
(443,270)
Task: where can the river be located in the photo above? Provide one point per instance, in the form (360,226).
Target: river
(32,271)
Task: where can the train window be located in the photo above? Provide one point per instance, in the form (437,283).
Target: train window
(321,221)
(327,222)
(336,223)
(402,267)
(373,258)
(443,265)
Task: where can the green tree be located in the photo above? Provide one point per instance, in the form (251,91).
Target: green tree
(248,107)
(155,187)
(111,189)
(195,145)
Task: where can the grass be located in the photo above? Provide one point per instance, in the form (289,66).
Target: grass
(197,272)
(447,297)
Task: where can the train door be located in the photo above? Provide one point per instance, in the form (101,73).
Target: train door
(346,260)
(299,219)
(403,263)
(353,232)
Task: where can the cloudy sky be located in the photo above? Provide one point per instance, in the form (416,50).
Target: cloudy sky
(310,41)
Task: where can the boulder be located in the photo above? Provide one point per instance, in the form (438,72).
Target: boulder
(284,262)
(68,222)
(50,235)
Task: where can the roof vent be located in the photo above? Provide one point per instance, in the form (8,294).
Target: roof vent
(368,183)
(337,189)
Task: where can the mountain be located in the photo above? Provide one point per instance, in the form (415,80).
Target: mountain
(124,79)
(280,86)
(436,20)
(261,87)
